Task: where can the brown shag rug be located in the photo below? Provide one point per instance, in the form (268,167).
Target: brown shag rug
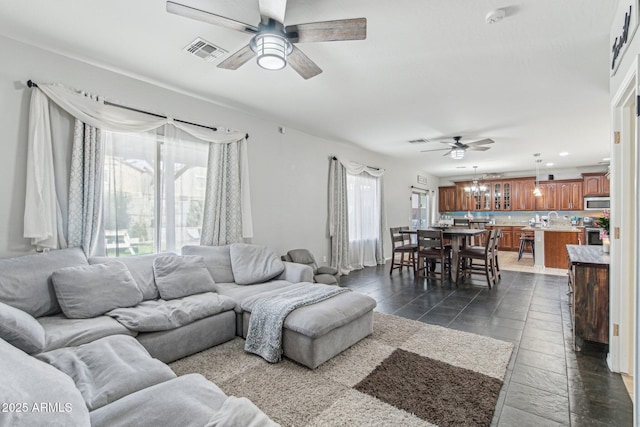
(406,373)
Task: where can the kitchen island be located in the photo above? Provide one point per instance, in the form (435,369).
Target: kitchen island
(552,241)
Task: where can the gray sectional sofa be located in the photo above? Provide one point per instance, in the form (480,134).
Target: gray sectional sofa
(60,306)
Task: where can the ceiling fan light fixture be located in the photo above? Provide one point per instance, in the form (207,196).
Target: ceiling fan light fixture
(457,154)
(272,50)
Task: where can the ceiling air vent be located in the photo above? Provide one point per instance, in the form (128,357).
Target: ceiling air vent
(418,141)
(205,50)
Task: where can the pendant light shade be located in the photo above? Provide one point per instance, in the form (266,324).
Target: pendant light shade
(272,50)
(457,154)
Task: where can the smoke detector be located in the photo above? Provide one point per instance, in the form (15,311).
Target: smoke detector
(495,16)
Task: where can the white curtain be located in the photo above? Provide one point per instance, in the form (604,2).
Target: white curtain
(42,214)
(357,215)
(432,208)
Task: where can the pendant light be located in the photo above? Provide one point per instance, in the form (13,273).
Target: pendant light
(536,191)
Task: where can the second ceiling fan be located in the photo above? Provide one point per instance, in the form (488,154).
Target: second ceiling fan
(273,42)
(457,149)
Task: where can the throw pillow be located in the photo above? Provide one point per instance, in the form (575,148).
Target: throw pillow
(180,276)
(217,260)
(21,330)
(254,264)
(92,290)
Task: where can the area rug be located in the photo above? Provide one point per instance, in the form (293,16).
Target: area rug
(406,373)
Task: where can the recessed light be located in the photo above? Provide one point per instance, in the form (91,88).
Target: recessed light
(549,164)
(564,153)
(606,159)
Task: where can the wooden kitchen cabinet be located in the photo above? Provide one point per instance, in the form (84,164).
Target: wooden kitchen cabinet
(509,241)
(523,198)
(446,199)
(595,184)
(555,242)
(464,199)
(501,195)
(589,294)
(548,201)
(570,196)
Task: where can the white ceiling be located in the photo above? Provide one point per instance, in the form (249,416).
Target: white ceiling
(537,81)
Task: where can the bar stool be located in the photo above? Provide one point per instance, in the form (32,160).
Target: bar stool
(527,239)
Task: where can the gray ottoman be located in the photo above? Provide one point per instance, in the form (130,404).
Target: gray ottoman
(315,333)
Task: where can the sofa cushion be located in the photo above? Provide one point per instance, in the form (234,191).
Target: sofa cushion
(21,329)
(239,292)
(109,368)
(161,315)
(92,290)
(186,400)
(216,258)
(30,383)
(60,331)
(253,264)
(301,256)
(25,281)
(180,276)
(141,268)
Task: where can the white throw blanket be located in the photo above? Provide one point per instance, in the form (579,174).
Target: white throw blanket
(264,337)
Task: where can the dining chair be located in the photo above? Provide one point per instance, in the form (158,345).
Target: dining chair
(401,245)
(431,250)
(496,243)
(479,260)
(462,222)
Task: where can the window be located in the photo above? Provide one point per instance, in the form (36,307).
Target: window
(154,191)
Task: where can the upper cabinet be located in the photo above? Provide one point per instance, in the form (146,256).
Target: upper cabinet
(500,195)
(595,184)
(548,201)
(570,196)
(523,198)
(446,199)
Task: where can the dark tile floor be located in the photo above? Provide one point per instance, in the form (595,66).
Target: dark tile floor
(546,383)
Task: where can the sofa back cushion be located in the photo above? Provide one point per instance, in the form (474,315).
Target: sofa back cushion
(92,290)
(141,268)
(20,329)
(216,258)
(180,276)
(25,281)
(46,396)
(253,264)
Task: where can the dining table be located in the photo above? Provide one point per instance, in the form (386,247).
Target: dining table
(458,236)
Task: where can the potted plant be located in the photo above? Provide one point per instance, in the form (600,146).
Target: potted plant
(603,222)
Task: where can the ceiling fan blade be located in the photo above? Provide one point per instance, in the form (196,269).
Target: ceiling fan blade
(478,148)
(437,149)
(480,142)
(238,59)
(274,9)
(209,18)
(302,64)
(448,153)
(328,31)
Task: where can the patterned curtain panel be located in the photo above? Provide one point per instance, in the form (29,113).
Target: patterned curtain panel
(222,219)
(339,217)
(86,186)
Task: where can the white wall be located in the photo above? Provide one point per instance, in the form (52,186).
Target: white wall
(289,172)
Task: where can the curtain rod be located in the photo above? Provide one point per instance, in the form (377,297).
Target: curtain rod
(31,83)
(370,167)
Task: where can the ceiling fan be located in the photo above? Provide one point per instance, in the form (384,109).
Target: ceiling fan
(457,149)
(273,42)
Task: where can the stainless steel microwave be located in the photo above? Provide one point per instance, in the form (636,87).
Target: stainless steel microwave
(597,203)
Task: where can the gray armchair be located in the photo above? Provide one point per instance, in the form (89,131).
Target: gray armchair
(321,274)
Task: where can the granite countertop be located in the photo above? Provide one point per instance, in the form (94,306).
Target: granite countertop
(556,229)
(588,254)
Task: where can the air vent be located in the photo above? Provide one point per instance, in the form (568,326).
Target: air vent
(418,141)
(205,50)
(493,175)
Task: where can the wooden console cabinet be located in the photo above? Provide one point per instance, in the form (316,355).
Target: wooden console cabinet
(589,293)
